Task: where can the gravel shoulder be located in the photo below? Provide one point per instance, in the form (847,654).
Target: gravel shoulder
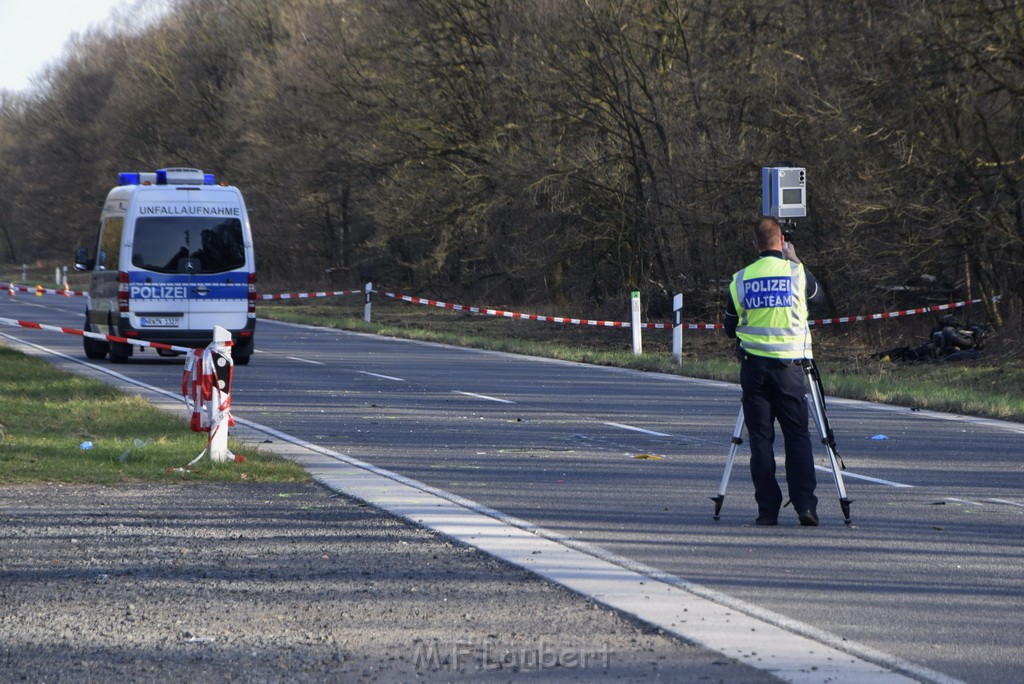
(290,583)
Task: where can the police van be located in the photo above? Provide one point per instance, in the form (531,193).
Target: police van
(173,259)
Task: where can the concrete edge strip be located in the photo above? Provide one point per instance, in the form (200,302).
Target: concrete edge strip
(789,649)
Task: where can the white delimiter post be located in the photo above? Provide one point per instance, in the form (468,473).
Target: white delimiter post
(367,306)
(221,348)
(677,328)
(638,347)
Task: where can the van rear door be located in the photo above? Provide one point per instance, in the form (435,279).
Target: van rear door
(189,267)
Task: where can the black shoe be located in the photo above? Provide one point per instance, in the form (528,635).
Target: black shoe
(767,521)
(808,518)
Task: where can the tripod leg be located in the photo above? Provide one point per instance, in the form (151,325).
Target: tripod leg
(737,439)
(821,420)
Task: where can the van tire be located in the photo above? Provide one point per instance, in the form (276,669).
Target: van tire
(94,349)
(240,360)
(119,352)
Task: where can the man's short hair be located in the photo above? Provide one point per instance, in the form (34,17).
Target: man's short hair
(767,234)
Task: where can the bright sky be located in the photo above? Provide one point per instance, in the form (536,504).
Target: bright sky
(33,33)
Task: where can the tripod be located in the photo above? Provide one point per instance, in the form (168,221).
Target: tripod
(824,429)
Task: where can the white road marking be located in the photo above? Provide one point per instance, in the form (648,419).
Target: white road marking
(636,429)
(1006,425)
(385,377)
(1008,503)
(484,396)
(846,474)
(315,363)
(855,476)
(964,501)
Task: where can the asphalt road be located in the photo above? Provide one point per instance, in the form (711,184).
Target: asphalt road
(930,571)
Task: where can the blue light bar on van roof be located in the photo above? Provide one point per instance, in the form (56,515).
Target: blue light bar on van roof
(167,177)
(181,177)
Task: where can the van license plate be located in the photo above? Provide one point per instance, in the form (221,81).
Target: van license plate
(159,322)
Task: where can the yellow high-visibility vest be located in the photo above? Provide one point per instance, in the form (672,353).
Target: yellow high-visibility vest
(770,296)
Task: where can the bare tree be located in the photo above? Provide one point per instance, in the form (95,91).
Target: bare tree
(554,150)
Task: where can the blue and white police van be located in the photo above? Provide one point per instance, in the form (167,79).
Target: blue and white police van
(173,259)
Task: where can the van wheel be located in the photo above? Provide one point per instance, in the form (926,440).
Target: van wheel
(119,352)
(94,349)
(241,360)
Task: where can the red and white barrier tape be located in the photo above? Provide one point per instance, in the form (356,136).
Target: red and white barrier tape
(311,295)
(95,336)
(504,314)
(485,311)
(39,290)
(897,314)
(666,326)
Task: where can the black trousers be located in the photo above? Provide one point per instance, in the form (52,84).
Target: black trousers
(775,390)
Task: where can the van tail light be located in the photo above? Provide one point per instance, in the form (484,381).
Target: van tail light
(122,291)
(252,294)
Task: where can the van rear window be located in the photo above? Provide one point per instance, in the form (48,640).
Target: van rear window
(188,244)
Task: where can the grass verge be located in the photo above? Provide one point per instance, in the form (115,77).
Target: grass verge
(47,415)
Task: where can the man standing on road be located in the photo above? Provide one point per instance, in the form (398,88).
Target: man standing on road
(767,313)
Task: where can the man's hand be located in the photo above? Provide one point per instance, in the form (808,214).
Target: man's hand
(789,251)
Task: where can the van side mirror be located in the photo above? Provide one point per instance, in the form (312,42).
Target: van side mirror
(82,260)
